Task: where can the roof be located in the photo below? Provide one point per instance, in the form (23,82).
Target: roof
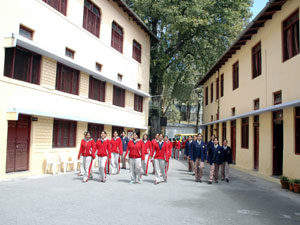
(136,18)
(266,14)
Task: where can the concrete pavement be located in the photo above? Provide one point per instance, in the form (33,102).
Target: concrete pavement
(63,199)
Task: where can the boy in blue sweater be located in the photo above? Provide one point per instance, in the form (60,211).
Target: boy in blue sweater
(215,159)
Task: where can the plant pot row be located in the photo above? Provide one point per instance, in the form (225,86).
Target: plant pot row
(291,184)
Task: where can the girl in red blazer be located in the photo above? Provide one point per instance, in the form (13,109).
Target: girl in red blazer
(153,143)
(103,152)
(87,151)
(177,149)
(160,157)
(147,145)
(116,151)
(136,155)
(169,152)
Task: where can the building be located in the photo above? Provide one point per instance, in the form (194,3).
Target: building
(252,94)
(67,66)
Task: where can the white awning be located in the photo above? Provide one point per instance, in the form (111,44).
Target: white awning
(17,40)
(272,108)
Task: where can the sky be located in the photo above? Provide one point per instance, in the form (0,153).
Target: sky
(258,6)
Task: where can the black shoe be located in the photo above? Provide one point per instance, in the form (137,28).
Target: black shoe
(217,181)
(209,182)
(227,180)
(200,181)
(222,179)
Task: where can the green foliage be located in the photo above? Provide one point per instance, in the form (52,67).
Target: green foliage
(297,181)
(284,178)
(291,181)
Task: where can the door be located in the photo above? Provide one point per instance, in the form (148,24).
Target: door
(18,139)
(256,142)
(277,142)
(233,140)
(95,130)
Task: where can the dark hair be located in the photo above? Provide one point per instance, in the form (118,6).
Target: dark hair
(216,138)
(123,132)
(103,132)
(166,136)
(225,140)
(212,135)
(116,132)
(134,132)
(144,136)
(86,133)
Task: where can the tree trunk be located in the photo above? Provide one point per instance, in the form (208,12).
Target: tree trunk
(198,116)
(155,116)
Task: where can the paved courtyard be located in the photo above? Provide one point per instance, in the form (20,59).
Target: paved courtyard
(63,199)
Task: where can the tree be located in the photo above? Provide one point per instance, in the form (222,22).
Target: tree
(193,34)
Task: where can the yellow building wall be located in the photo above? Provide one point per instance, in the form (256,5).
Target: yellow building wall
(48,72)
(84,85)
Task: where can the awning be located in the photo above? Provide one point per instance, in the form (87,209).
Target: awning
(272,108)
(17,40)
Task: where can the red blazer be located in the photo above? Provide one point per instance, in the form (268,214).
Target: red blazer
(147,147)
(170,144)
(116,145)
(135,149)
(178,145)
(162,153)
(103,148)
(87,148)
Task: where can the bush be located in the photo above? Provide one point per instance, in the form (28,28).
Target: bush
(284,178)
(297,181)
(291,181)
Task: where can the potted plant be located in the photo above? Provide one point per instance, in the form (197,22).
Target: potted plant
(291,184)
(284,182)
(297,186)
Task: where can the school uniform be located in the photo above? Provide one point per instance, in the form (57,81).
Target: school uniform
(174,149)
(169,154)
(147,145)
(187,153)
(215,159)
(136,155)
(160,157)
(125,141)
(87,151)
(116,152)
(153,143)
(227,159)
(182,150)
(177,150)
(104,154)
(199,154)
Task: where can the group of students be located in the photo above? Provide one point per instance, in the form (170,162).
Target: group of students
(217,156)
(113,152)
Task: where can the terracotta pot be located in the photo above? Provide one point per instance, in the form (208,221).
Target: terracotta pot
(284,184)
(297,188)
(291,187)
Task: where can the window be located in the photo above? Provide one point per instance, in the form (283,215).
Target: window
(297,130)
(120,77)
(290,34)
(212,92)
(91,18)
(64,133)
(235,75)
(137,51)
(245,132)
(217,130)
(211,130)
(212,118)
(233,111)
(139,86)
(67,79)
(95,130)
(256,60)
(117,37)
(217,116)
(222,85)
(256,104)
(138,103)
(26,32)
(97,89)
(98,67)
(223,131)
(206,96)
(59,5)
(21,64)
(277,97)
(217,88)
(70,53)
(119,96)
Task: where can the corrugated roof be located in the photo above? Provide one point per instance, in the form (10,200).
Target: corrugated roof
(266,14)
(135,18)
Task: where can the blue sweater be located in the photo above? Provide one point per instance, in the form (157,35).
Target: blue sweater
(125,141)
(215,155)
(199,151)
(188,149)
(227,154)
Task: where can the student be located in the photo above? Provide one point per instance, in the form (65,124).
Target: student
(116,152)
(160,157)
(125,141)
(199,155)
(104,154)
(174,148)
(227,159)
(187,153)
(169,150)
(178,147)
(136,155)
(215,159)
(153,143)
(87,151)
(147,145)
(211,142)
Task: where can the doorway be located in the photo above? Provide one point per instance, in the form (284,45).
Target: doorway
(233,139)
(256,142)
(18,140)
(277,142)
